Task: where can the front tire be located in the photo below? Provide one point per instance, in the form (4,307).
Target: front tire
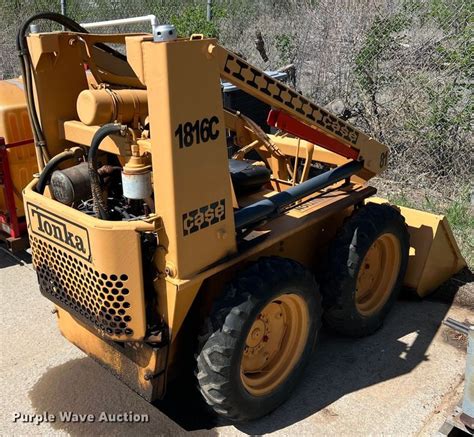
(258,339)
(365,272)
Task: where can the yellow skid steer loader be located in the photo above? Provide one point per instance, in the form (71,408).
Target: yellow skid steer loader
(157,249)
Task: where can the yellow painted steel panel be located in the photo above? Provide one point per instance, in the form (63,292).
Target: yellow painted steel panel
(434,253)
(14,127)
(90,267)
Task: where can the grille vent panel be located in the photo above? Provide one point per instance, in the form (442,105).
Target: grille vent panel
(98,298)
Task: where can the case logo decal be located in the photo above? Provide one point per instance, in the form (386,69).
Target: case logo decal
(203,217)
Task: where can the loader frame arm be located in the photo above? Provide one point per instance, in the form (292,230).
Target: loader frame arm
(295,114)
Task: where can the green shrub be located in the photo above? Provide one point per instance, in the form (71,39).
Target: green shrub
(192,19)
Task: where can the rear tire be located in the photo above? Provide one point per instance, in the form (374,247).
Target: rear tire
(258,338)
(366,265)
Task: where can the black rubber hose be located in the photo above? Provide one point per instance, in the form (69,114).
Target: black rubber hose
(45,175)
(267,208)
(25,64)
(67,22)
(31,107)
(99,202)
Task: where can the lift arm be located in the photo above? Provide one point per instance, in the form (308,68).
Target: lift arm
(299,116)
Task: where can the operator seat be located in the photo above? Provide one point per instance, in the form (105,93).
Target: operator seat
(248,177)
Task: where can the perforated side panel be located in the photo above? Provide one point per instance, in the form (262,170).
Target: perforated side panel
(99,298)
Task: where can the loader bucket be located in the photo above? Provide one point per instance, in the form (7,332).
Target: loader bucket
(434,253)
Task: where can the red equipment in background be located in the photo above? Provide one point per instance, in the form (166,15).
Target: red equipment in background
(12,228)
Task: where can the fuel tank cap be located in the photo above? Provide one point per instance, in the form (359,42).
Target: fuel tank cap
(164,32)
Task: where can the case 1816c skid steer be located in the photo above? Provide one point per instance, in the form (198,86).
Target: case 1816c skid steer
(158,249)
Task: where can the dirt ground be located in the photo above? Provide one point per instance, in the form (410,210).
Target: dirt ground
(404,380)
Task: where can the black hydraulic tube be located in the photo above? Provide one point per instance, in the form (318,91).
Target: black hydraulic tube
(259,211)
(25,64)
(46,173)
(65,21)
(100,204)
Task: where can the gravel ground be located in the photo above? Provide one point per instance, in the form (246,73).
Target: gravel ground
(404,380)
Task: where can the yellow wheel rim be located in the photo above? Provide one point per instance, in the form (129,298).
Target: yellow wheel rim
(377,274)
(274,344)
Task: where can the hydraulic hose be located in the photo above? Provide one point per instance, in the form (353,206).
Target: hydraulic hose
(25,63)
(98,200)
(264,209)
(67,22)
(45,175)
